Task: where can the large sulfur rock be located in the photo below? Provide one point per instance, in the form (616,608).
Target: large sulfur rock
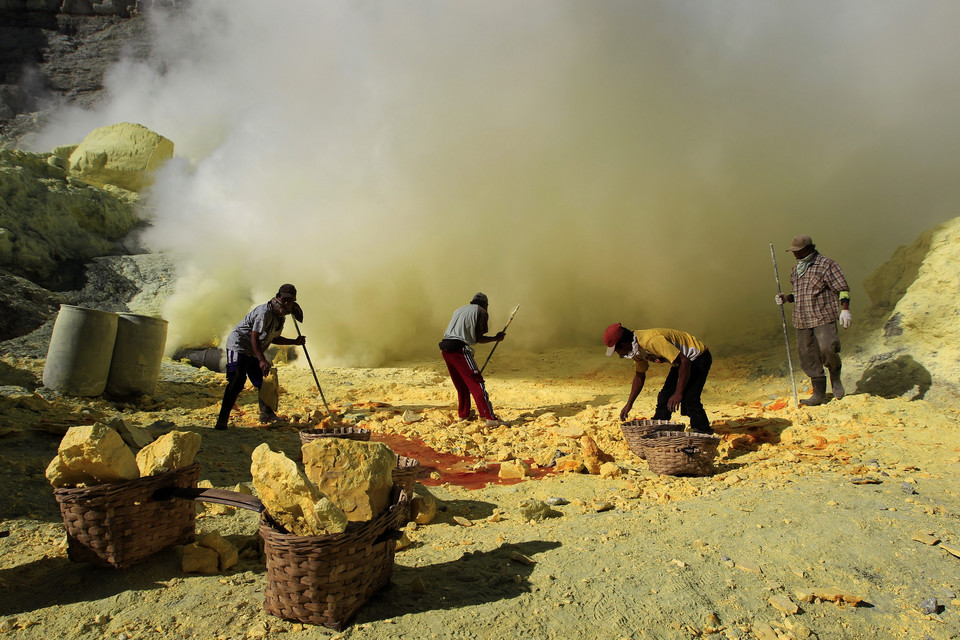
(200,559)
(124,155)
(91,455)
(358,476)
(174,450)
(291,498)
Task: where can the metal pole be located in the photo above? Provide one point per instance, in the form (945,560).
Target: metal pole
(312,370)
(496,343)
(783,320)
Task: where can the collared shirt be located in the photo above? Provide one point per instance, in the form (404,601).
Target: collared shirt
(816,293)
(664,345)
(263,320)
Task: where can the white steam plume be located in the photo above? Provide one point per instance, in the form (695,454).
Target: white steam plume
(594,162)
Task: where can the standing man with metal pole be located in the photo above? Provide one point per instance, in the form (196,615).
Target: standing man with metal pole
(822,300)
(467,327)
(783,320)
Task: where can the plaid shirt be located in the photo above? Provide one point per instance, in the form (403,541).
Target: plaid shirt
(816,294)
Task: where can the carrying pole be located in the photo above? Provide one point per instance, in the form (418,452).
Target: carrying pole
(312,370)
(513,313)
(783,320)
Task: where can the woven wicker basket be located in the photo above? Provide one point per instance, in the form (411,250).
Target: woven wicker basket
(351,433)
(635,431)
(676,453)
(118,524)
(324,580)
(406,472)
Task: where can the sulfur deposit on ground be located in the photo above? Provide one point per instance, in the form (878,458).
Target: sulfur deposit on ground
(853,500)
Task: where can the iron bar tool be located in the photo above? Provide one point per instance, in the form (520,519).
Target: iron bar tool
(783,320)
(509,320)
(312,370)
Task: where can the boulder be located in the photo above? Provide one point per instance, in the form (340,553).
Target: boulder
(90,455)
(357,476)
(124,155)
(135,437)
(593,457)
(513,469)
(291,498)
(174,450)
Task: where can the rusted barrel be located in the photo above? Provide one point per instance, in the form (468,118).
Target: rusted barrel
(137,354)
(80,351)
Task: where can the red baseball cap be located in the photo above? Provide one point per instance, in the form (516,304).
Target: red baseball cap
(611,336)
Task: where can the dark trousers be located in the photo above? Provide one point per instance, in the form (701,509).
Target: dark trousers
(240,367)
(819,347)
(468,381)
(690,404)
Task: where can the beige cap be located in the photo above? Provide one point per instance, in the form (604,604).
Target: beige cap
(800,242)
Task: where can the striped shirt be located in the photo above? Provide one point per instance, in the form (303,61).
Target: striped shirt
(816,293)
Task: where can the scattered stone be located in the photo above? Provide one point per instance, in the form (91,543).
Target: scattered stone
(403,541)
(746,565)
(593,457)
(570,464)
(556,502)
(837,596)
(784,604)
(805,596)
(92,455)
(226,551)
(602,506)
(926,538)
(423,508)
(930,606)
(514,469)
(357,476)
(532,509)
(409,417)
(950,548)
(463,522)
(291,498)
(174,450)
(907,488)
(522,559)
(610,470)
(867,480)
(764,631)
(198,559)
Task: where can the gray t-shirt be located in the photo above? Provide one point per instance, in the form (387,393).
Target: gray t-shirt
(263,320)
(468,322)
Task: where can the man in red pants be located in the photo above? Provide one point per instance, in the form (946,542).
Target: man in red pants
(467,327)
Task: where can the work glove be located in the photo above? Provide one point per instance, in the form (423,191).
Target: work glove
(297,312)
(845,319)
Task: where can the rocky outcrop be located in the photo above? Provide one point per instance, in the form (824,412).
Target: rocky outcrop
(123,155)
(49,220)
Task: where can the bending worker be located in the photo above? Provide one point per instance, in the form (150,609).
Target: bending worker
(822,299)
(246,348)
(467,327)
(690,363)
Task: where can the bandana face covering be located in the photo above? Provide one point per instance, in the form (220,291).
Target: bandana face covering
(803,263)
(634,349)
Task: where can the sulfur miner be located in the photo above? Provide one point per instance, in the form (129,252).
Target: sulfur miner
(246,347)
(822,300)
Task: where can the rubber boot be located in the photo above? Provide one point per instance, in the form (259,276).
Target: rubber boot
(836,386)
(819,392)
